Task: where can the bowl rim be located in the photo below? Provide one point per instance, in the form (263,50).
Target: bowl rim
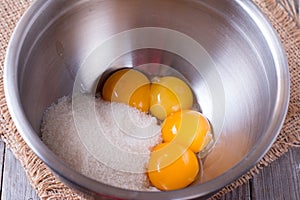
(83,183)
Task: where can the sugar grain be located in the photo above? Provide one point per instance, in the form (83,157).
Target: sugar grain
(123,126)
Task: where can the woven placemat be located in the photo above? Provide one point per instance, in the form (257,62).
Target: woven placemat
(283,14)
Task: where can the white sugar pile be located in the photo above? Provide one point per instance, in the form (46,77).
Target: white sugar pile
(124,127)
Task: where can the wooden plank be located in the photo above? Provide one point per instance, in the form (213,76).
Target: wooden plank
(294,157)
(15,184)
(280,180)
(2,150)
(242,192)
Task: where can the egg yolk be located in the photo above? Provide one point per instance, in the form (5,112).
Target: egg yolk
(169,94)
(128,86)
(188,128)
(172,167)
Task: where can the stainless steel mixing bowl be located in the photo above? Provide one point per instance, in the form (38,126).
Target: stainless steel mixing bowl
(226,50)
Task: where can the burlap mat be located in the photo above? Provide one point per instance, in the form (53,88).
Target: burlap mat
(281,13)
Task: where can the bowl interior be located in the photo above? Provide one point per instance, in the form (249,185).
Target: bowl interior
(225,50)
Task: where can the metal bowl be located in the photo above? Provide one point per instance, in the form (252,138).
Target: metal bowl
(226,50)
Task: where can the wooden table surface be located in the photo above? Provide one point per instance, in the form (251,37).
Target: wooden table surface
(280,180)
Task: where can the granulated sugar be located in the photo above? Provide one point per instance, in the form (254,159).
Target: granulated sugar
(124,127)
